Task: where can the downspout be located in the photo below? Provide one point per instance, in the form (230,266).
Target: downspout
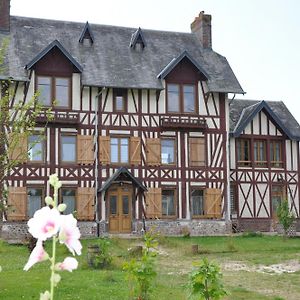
(96,157)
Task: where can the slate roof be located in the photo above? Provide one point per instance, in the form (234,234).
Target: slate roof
(241,112)
(109,61)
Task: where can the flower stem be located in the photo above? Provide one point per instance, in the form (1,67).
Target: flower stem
(52,279)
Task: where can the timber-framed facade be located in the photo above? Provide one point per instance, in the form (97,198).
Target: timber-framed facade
(142,132)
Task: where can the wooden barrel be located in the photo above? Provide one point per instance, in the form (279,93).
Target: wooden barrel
(93,251)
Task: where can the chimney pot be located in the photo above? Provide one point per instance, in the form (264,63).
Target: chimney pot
(201,27)
(4,15)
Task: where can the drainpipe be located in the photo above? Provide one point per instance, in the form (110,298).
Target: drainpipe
(96,156)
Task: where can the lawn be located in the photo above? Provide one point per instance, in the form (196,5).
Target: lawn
(241,258)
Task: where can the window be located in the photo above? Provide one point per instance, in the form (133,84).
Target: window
(68,197)
(167,151)
(197,197)
(168,203)
(52,89)
(119,150)
(68,148)
(34,200)
(36,148)
(181,98)
(260,153)
(277,196)
(276,154)
(120,100)
(243,152)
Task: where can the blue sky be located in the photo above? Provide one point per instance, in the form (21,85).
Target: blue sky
(260,38)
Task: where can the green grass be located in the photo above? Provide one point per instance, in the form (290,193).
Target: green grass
(173,265)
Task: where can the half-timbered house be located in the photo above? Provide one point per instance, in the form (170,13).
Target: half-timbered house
(140,128)
(264,162)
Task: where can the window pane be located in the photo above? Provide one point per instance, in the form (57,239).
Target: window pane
(62,91)
(44,89)
(119,103)
(34,198)
(35,148)
(69,198)
(68,148)
(173,98)
(167,151)
(197,203)
(125,200)
(124,150)
(114,150)
(113,205)
(189,98)
(168,203)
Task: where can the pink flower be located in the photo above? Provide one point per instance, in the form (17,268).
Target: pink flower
(38,254)
(69,264)
(45,223)
(69,234)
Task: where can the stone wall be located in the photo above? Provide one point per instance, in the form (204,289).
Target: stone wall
(185,227)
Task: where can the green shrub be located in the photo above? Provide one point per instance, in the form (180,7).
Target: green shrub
(141,273)
(205,282)
(285,216)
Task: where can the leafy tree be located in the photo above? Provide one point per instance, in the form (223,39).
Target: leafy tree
(17,121)
(285,216)
(206,281)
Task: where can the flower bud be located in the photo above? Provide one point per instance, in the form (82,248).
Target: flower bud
(49,201)
(62,207)
(45,296)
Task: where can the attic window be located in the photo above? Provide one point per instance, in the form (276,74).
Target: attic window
(137,41)
(86,36)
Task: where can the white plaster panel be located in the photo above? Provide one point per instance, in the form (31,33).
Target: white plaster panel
(161,102)
(264,124)
(272,128)
(295,158)
(260,190)
(119,132)
(30,92)
(288,154)
(245,188)
(152,101)
(144,102)
(76,91)
(202,109)
(255,125)
(85,98)
(131,107)
(232,153)
(168,133)
(109,102)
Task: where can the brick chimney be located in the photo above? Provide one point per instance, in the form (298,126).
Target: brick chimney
(201,27)
(4,15)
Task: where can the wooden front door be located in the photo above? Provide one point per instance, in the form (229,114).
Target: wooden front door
(120,209)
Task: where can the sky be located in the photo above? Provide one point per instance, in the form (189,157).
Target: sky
(259,38)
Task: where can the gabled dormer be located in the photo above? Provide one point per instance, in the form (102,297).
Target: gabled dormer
(54,67)
(138,40)
(86,36)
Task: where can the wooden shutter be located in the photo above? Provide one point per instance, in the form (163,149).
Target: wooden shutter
(212,203)
(85,203)
(135,150)
(153,151)
(197,152)
(104,149)
(153,203)
(18,149)
(17,202)
(85,149)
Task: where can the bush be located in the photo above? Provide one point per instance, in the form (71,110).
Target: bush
(285,216)
(206,281)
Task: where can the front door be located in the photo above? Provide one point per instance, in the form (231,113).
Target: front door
(119,208)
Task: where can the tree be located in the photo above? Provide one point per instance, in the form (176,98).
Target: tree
(17,121)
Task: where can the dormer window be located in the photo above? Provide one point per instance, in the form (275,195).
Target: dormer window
(54,91)
(181,98)
(120,100)
(137,41)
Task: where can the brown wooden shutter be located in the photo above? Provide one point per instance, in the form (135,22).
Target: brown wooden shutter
(153,203)
(85,203)
(17,202)
(153,151)
(85,149)
(212,203)
(197,152)
(104,149)
(135,150)
(18,149)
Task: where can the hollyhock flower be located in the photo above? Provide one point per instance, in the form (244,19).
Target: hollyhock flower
(38,254)
(45,223)
(54,181)
(45,296)
(69,264)
(69,234)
